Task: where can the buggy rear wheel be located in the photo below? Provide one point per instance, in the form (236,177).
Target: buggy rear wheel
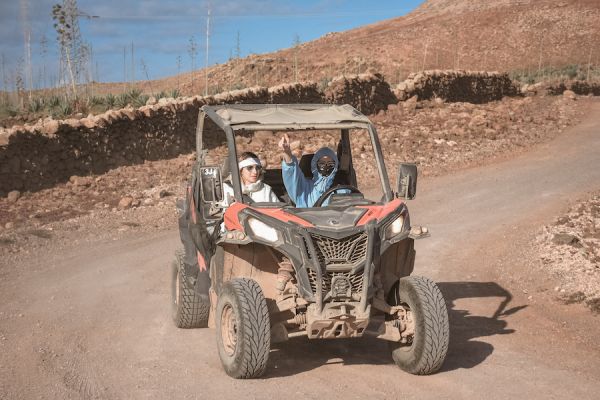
(425,353)
(188,308)
(243,329)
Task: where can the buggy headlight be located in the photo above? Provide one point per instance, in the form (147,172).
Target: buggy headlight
(262,230)
(395,227)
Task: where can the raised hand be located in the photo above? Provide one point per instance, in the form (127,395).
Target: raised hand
(284,146)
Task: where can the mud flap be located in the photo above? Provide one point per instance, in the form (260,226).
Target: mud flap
(397,262)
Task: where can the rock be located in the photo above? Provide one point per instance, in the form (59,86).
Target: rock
(411,104)
(9,225)
(50,127)
(84,181)
(164,193)
(13,196)
(569,94)
(151,101)
(125,203)
(566,239)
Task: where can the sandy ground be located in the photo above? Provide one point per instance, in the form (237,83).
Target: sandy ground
(85,314)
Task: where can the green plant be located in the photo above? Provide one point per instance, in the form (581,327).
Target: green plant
(35,105)
(237,86)
(53,101)
(110,100)
(64,109)
(8,109)
(175,93)
(134,93)
(571,71)
(323,83)
(122,100)
(161,95)
(140,100)
(81,105)
(96,100)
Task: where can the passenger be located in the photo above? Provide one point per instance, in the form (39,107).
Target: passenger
(251,173)
(302,190)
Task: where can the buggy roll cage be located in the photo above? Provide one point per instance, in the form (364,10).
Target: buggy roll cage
(286,117)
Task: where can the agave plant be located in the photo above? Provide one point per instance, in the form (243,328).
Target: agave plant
(174,93)
(36,105)
(140,100)
(123,100)
(110,100)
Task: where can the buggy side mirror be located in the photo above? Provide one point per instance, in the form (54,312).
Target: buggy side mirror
(407,181)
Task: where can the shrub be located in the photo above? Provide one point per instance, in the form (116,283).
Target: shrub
(110,100)
(54,101)
(122,100)
(140,100)
(63,110)
(174,93)
(35,105)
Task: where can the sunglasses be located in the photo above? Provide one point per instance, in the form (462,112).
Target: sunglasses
(251,168)
(325,168)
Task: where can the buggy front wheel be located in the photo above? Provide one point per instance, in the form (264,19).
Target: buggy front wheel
(426,348)
(243,328)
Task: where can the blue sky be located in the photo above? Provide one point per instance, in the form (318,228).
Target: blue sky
(160,30)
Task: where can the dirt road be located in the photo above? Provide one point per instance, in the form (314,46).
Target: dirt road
(94,322)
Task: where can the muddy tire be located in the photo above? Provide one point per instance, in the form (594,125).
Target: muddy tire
(188,308)
(426,354)
(243,329)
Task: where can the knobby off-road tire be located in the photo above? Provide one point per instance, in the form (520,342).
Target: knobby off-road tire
(188,309)
(426,354)
(243,329)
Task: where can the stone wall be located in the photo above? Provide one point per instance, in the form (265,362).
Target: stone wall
(578,87)
(457,85)
(368,93)
(33,157)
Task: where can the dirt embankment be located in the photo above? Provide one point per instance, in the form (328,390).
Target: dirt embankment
(439,137)
(570,250)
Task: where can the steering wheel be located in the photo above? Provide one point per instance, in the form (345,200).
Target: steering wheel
(328,192)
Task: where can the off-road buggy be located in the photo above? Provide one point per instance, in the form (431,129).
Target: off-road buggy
(263,272)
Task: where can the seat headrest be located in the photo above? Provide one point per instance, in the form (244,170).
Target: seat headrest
(304,164)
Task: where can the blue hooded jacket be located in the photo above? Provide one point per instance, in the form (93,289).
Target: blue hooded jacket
(302,190)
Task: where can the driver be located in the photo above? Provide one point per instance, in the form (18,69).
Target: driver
(251,173)
(304,191)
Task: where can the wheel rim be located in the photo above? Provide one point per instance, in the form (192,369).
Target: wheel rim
(228,330)
(410,320)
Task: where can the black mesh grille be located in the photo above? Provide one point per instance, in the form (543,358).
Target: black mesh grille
(346,252)
(356,280)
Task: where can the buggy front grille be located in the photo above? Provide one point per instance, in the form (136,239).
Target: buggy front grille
(340,253)
(355,279)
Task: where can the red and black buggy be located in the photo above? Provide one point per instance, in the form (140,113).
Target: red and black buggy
(264,272)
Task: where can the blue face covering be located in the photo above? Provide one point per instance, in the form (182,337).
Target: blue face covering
(322,183)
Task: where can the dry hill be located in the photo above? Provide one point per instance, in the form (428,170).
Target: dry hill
(502,35)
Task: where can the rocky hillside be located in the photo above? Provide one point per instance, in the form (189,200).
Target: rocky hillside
(502,35)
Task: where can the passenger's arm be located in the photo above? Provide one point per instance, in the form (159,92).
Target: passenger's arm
(293,179)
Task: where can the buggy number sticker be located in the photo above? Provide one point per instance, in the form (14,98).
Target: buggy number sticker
(209,172)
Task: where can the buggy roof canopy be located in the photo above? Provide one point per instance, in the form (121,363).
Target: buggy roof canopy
(286,116)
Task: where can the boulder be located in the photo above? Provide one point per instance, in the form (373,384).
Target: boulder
(125,203)
(13,196)
(569,94)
